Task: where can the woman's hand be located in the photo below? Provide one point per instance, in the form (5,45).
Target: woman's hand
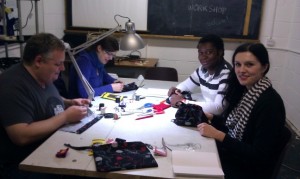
(174,99)
(174,90)
(209,116)
(117,87)
(118,81)
(209,131)
(171,91)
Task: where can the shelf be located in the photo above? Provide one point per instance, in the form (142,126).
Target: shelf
(5,40)
(8,38)
(13,39)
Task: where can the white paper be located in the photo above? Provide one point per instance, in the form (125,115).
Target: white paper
(74,127)
(196,163)
(153,92)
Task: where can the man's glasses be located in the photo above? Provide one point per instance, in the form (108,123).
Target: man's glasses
(206,52)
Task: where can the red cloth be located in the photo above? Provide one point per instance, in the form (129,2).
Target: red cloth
(161,106)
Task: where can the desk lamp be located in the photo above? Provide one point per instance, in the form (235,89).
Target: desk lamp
(131,41)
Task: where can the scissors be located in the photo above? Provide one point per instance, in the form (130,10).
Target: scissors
(146,105)
(163,151)
(149,113)
(152,111)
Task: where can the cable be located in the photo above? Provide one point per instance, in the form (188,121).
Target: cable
(18,25)
(291,168)
(117,15)
(285,50)
(28,15)
(134,56)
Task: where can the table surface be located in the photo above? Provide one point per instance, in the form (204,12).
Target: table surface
(149,130)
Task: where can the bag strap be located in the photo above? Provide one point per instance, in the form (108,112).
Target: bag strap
(118,140)
(78,148)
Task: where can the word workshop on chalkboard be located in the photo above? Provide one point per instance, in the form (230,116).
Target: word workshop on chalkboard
(238,19)
(235,19)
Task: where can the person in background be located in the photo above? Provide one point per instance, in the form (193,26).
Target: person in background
(210,76)
(248,131)
(91,63)
(31,107)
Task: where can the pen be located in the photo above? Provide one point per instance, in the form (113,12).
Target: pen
(144,117)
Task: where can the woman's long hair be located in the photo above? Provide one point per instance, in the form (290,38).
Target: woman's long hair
(234,90)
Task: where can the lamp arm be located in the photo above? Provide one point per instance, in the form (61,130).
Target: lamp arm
(91,42)
(88,88)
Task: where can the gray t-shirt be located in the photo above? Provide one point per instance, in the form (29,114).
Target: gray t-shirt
(23,100)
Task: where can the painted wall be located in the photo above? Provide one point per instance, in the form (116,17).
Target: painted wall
(280,22)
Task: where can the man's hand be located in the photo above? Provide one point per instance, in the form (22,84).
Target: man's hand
(77,102)
(81,102)
(75,113)
(26,133)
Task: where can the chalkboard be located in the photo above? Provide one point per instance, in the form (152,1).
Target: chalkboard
(238,19)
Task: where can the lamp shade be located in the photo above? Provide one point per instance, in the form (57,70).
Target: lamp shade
(131,40)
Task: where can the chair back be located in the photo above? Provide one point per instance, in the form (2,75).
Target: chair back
(284,141)
(162,73)
(61,86)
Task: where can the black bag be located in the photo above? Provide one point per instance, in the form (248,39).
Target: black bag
(189,115)
(130,87)
(121,155)
(125,156)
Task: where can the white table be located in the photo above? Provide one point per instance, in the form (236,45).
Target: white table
(150,130)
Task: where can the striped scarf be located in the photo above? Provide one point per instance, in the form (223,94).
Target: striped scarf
(239,116)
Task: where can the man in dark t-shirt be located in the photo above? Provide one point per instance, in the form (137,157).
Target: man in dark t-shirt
(31,108)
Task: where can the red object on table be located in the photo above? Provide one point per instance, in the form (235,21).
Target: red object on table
(144,117)
(62,153)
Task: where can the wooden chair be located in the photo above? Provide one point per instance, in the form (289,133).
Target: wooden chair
(161,73)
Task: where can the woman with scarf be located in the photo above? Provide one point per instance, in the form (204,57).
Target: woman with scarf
(91,63)
(247,132)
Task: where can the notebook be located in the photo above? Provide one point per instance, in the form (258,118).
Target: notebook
(196,163)
(111,96)
(83,125)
